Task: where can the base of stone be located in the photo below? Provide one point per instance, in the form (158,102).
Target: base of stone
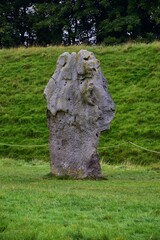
(67,177)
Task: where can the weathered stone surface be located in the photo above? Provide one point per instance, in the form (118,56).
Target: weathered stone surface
(79,107)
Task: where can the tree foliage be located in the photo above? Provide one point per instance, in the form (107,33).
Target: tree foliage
(38,22)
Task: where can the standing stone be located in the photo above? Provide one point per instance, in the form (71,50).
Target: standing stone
(79,107)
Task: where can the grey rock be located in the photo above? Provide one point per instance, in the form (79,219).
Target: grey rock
(79,107)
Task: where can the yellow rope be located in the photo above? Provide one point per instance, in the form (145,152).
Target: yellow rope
(44,145)
(144,148)
(149,150)
(112,146)
(16,145)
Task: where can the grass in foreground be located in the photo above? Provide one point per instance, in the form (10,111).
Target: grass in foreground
(35,207)
(132,72)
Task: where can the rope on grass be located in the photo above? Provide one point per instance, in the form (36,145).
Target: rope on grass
(117,145)
(16,145)
(149,150)
(144,148)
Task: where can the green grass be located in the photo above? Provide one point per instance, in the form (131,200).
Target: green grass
(34,206)
(133,75)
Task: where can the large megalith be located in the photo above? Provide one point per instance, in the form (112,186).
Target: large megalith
(79,107)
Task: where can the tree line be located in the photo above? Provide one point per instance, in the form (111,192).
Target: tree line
(26,22)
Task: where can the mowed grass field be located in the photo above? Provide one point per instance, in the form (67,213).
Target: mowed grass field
(126,206)
(133,76)
(37,207)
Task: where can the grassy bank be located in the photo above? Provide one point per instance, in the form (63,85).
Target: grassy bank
(36,207)
(133,75)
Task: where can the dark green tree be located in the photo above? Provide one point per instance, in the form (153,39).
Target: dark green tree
(48,24)
(8,34)
(80,20)
(86,12)
(120,21)
(16,22)
(25,22)
(149,15)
